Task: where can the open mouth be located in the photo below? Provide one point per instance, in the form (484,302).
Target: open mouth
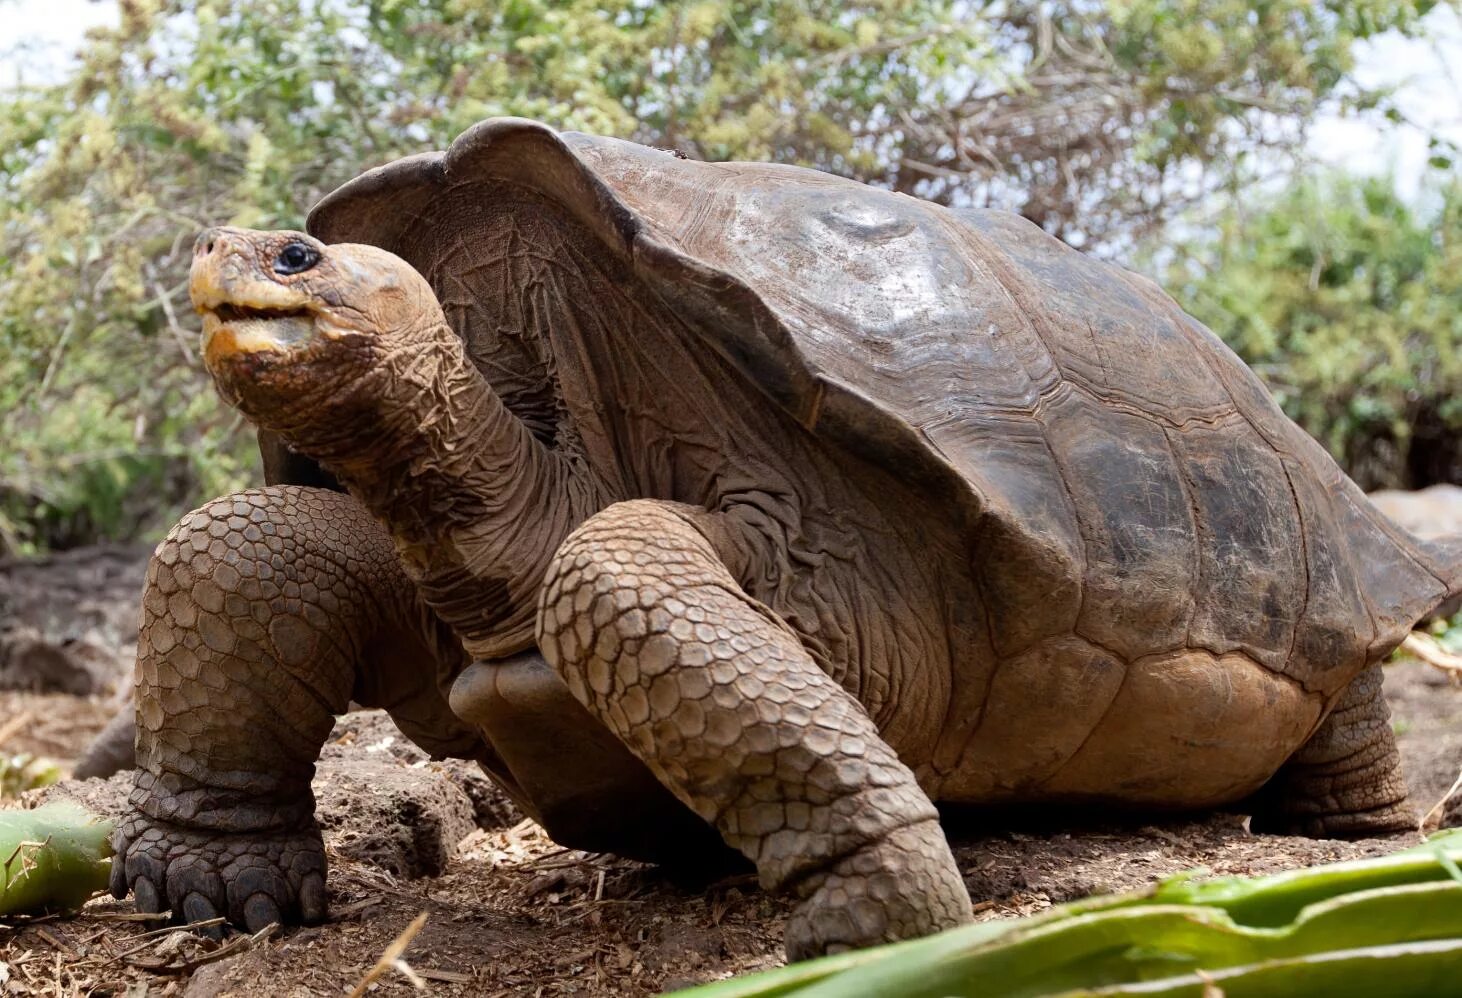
(230,313)
(231,329)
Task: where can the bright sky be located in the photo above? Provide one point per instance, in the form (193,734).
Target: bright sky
(1427,73)
(52,27)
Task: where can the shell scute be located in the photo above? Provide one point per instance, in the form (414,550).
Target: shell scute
(1250,585)
(1030,522)
(1102,334)
(1137,526)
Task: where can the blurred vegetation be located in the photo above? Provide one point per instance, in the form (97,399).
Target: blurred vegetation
(1348,301)
(22,772)
(1102,122)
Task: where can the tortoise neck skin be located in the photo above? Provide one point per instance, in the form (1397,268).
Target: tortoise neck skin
(350,359)
(477,505)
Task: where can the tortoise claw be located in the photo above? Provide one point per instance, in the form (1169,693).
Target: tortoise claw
(146,896)
(312,899)
(252,879)
(261,910)
(118,881)
(197,908)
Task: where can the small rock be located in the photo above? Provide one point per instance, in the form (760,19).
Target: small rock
(1435,511)
(490,805)
(405,820)
(32,663)
(373,733)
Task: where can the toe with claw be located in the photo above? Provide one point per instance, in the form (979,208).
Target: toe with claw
(251,880)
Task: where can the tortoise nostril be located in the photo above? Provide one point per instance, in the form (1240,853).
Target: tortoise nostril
(208,240)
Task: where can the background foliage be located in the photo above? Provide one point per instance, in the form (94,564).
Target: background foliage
(1349,303)
(1102,122)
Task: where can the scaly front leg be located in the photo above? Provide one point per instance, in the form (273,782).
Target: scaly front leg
(265,613)
(652,633)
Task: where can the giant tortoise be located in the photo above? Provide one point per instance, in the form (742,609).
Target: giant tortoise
(738,503)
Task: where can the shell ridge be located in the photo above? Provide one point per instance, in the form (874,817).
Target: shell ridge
(1096,727)
(992,260)
(1087,543)
(1304,532)
(1200,529)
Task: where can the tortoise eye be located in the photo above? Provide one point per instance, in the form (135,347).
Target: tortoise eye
(296,258)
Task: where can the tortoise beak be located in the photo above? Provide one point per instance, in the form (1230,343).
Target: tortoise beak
(244,313)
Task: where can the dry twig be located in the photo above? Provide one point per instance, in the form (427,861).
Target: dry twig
(15,725)
(1437,807)
(391,960)
(1429,650)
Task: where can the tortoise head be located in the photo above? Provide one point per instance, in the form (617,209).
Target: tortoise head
(296,333)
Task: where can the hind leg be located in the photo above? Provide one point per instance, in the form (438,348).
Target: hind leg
(1345,782)
(111,751)
(575,778)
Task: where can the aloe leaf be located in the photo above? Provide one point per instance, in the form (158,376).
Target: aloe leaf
(1163,933)
(52,858)
(1429,969)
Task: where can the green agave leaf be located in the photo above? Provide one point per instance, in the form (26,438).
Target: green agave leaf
(1406,970)
(1151,942)
(1087,949)
(52,858)
(786,980)
(794,978)
(1172,929)
(1445,843)
(1278,898)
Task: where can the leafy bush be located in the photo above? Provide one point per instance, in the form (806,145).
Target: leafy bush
(1348,302)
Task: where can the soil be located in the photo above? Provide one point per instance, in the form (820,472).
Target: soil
(68,622)
(512,914)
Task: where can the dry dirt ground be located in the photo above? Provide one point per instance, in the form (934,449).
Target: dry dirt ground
(511,914)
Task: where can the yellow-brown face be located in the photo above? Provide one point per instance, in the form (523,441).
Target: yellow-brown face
(291,326)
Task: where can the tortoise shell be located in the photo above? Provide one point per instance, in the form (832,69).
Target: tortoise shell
(1118,472)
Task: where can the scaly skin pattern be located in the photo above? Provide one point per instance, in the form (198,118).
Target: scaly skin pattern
(264,614)
(1346,781)
(717,695)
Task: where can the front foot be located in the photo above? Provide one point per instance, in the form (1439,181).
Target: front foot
(719,697)
(251,879)
(901,887)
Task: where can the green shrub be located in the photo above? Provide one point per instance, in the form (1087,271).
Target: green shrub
(1348,302)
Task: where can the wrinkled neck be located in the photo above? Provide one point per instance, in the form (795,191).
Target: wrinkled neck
(477,505)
